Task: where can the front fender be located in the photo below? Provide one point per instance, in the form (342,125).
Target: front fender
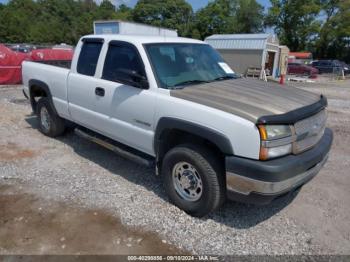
(169,123)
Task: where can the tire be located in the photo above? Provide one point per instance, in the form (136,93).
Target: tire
(50,124)
(201,163)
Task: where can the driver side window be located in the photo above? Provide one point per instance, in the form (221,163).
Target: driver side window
(122,60)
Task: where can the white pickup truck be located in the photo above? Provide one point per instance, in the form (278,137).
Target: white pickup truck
(175,104)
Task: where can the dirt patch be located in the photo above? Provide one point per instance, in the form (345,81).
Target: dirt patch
(29,225)
(11,152)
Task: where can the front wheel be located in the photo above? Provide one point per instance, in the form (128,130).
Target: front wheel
(194,179)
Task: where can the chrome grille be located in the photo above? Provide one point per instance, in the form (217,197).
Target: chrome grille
(309,131)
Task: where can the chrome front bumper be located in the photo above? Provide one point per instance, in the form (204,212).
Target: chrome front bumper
(244,185)
(249,180)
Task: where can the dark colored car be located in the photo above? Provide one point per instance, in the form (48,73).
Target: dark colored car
(301,69)
(331,66)
(21,48)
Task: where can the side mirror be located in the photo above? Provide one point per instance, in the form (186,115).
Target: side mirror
(140,80)
(136,79)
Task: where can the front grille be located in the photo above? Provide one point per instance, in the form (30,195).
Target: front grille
(309,131)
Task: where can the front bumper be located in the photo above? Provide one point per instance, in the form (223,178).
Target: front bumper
(260,182)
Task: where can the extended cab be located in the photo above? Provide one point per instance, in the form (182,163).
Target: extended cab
(175,104)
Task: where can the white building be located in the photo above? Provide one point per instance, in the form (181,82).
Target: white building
(130,28)
(243,51)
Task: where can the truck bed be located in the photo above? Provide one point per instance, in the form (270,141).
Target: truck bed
(54,74)
(59,63)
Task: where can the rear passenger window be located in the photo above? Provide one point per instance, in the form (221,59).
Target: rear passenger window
(121,60)
(88,58)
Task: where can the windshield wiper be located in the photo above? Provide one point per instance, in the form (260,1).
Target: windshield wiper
(224,78)
(191,82)
(197,81)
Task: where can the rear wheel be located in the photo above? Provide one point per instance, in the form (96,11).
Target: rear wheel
(194,179)
(50,123)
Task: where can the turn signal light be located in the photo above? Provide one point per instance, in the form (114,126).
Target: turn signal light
(264,153)
(263,133)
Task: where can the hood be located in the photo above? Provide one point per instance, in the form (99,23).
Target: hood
(248,98)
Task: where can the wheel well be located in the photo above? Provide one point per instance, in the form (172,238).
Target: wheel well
(171,138)
(35,93)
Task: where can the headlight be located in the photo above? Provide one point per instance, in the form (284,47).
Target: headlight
(270,132)
(273,152)
(276,141)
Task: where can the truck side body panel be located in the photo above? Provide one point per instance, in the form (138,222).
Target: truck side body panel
(54,77)
(242,134)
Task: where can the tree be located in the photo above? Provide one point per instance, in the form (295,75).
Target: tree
(58,21)
(124,13)
(250,17)
(334,40)
(217,18)
(52,21)
(320,26)
(83,22)
(15,20)
(230,16)
(176,14)
(295,22)
(106,11)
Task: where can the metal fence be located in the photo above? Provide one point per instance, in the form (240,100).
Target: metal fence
(335,73)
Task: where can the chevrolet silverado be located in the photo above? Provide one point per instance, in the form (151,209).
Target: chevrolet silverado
(173,103)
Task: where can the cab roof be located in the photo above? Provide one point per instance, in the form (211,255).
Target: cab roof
(144,39)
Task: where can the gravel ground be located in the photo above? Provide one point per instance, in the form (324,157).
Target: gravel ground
(79,173)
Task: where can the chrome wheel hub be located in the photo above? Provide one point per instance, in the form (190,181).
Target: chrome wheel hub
(187,181)
(45,119)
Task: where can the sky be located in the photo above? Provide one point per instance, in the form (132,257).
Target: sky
(196,4)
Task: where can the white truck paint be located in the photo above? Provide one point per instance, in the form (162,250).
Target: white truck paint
(175,101)
(74,99)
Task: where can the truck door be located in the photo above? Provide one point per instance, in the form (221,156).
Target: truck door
(125,110)
(82,83)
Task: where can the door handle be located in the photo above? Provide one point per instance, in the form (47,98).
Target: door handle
(99,91)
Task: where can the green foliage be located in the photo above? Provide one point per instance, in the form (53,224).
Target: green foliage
(15,20)
(320,26)
(295,21)
(54,21)
(230,16)
(106,10)
(216,18)
(250,17)
(176,14)
(124,13)
(334,39)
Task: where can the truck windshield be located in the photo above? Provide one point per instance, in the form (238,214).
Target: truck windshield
(177,65)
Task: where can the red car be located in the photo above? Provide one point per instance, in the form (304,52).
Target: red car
(301,69)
